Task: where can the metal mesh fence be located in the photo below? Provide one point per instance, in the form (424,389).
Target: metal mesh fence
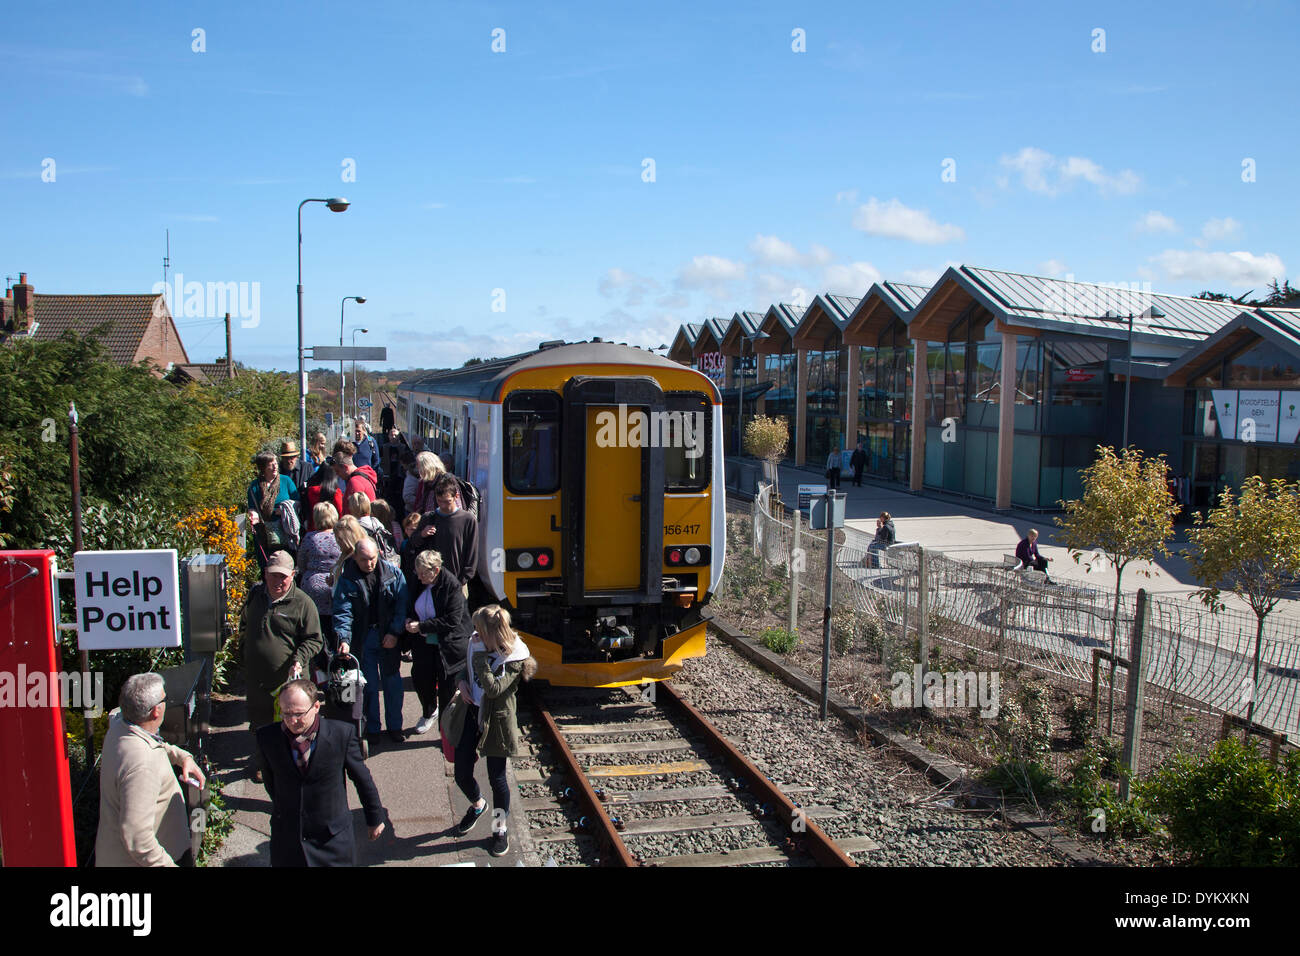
(1200,663)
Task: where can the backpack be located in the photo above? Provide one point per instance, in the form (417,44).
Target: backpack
(382,537)
(470,497)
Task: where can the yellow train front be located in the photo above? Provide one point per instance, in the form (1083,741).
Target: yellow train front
(603,515)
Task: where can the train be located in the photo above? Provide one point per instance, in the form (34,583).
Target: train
(603,504)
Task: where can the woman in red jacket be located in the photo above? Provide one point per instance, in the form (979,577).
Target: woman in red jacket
(324,485)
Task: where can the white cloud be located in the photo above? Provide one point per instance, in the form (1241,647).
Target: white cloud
(1054,268)
(853,278)
(1041,172)
(632,287)
(710,273)
(1155,221)
(1235,268)
(673,300)
(1216,229)
(773,251)
(769,285)
(847,195)
(895,221)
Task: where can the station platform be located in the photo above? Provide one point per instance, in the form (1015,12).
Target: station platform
(415,783)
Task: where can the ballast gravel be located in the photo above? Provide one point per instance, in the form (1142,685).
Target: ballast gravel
(867,791)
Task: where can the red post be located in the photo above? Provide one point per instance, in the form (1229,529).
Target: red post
(35,787)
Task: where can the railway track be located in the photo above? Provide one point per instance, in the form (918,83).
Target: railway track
(647,777)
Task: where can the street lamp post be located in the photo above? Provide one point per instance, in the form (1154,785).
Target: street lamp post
(354,368)
(1148,313)
(359,299)
(740,401)
(335,205)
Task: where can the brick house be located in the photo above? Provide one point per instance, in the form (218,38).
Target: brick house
(135,327)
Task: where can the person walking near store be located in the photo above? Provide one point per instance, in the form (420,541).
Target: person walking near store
(498,662)
(281,634)
(308,761)
(858,461)
(1027,553)
(833,462)
(438,623)
(370,611)
(142,817)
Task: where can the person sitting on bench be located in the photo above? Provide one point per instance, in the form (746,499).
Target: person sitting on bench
(1028,556)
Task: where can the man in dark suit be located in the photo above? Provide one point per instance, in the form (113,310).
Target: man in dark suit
(306,757)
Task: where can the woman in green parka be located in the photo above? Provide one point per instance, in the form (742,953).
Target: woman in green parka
(497,662)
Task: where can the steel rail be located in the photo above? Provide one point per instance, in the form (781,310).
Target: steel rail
(805,832)
(600,825)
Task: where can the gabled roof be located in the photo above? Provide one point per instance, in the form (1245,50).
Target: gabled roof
(710,338)
(826,317)
(683,343)
(741,326)
(1281,327)
(884,302)
(1036,303)
(779,322)
(205,373)
(128,317)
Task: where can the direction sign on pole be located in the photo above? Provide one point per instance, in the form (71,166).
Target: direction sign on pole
(364,402)
(349,353)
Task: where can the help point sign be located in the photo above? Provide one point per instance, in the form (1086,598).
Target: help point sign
(127,599)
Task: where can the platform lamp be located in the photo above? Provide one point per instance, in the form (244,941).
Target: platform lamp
(1152,312)
(753,337)
(358,299)
(335,205)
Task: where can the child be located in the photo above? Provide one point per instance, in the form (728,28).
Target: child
(497,660)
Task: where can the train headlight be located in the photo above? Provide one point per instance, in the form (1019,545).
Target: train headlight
(525,560)
(692,555)
(674,556)
(543,560)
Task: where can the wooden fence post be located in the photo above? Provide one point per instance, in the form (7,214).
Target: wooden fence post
(1132,754)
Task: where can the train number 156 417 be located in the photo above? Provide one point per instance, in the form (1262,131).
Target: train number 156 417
(670,529)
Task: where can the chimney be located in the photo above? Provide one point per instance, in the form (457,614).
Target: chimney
(23,302)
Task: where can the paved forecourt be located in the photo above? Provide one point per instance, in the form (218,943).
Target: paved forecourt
(963,532)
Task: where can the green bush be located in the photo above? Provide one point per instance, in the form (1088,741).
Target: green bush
(1096,802)
(1232,807)
(1080,720)
(778,639)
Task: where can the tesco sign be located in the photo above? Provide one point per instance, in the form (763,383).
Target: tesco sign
(127,599)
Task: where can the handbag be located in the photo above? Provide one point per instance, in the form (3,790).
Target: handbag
(452,724)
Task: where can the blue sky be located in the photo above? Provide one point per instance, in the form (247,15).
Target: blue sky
(524,170)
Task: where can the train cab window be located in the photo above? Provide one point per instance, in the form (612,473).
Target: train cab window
(688,454)
(532,443)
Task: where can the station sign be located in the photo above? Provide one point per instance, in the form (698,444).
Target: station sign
(127,599)
(807,493)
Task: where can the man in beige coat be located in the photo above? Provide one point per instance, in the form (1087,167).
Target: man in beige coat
(142,818)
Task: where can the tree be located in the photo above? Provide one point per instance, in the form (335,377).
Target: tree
(1127,514)
(1250,545)
(767,438)
(129,421)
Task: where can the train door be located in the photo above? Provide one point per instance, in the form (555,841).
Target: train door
(614,491)
(612,545)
